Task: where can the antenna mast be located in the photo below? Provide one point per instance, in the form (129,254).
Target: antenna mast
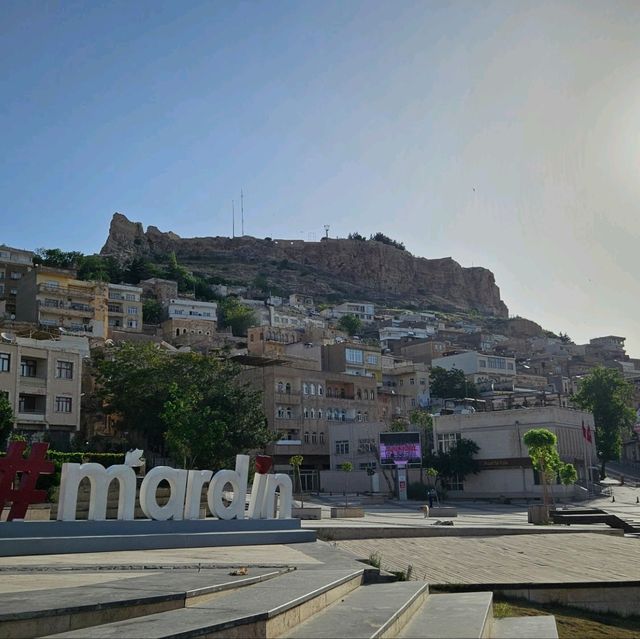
(233,219)
(242,210)
(326,230)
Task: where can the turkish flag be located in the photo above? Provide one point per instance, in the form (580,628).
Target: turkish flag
(589,434)
(584,430)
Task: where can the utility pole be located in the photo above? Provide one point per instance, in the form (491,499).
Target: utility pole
(242,210)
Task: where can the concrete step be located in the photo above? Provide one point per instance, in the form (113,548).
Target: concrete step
(540,627)
(464,615)
(374,610)
(36,613)
(258,611)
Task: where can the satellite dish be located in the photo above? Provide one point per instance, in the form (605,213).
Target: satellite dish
(6,338)
(61,330)
(109,342)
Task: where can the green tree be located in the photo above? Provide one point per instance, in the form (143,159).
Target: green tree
(151,311)
(6,419)
(94,267)
(543,451)
(606,394)
(195,404)
(451,384)
(57,258)
(295,461)
(350,324)
(236,315)
(346,467)
(357,236)
(456,464)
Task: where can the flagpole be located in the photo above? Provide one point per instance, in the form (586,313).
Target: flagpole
(584,451)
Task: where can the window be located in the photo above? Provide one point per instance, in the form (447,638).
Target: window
(306,413)
(413,401)
(372,359)
(412,381)
(132,323)
(401,382)
(130,297)
(423,381)
(312,413)
(5,362)
(314,437)
(312,389)
(320,389)
(367,465)
(359,394)
(306,436)
(305,388)
(132,310)
(354,356)
(280,387)
(342,447)
(321,437)
(28,368)
(319,413)
(453,483)
(287,388)
(497,362)
(63,405)
(510,365)
(15,276)
(483,363)
(447,441)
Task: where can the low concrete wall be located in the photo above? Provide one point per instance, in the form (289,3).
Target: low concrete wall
(340,512)
(600,597)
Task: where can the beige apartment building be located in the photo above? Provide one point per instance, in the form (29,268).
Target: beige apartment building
(42,379)
(53,298)
(124,308)
(405,388)
(301,402)
(14,264)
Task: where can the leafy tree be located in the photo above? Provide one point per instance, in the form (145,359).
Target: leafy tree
(564,338)
(357,236)
(346,467)
(57,258)
(398,425)
(543,451)
(140,268)
(385,239)
(195,404)
(350,324)
(6,419)
(151,311)
(608,396)
(450,384)
(457,463)
(295,461)
(236,315)
(261,283)
(180,274)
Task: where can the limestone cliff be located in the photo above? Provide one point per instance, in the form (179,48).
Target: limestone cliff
(329,269)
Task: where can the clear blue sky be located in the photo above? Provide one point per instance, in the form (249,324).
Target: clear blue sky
(504,134)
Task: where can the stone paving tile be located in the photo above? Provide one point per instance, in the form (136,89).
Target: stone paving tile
(542,558)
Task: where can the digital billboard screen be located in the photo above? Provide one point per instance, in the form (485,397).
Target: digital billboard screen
(400,447)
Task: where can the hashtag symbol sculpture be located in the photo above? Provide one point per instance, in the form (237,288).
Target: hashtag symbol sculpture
(30,469)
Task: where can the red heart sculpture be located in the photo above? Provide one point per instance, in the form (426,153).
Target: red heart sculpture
(263,463)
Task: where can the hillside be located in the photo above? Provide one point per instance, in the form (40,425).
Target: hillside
(330,270)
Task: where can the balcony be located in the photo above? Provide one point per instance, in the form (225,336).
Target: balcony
(74,309)
(66,291)
(30,416)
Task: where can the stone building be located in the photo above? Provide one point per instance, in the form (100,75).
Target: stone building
(14,263)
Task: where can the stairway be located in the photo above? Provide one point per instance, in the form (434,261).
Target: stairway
(593,516)
(339,600)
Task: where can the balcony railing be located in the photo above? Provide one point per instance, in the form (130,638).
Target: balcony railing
(67,291)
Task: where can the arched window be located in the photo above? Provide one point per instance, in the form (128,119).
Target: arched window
(343,415)
(306,413)
(305,388)
(359,416)
(280,411)
(366,416)
(359,394)
(312,413)
(306,436)
(329,415)
(287,388)
(319,413)
(312,389)
(373,394)
(288,413)
(280,387)
(321,437)
(177,332)
(320,389)
(342,393)
(336,414)
(314,437)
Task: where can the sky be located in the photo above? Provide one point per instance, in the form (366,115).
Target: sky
(505,134)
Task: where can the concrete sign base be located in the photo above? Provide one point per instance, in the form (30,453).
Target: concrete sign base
(61,537)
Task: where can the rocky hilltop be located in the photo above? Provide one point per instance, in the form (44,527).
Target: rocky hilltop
(331,269)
